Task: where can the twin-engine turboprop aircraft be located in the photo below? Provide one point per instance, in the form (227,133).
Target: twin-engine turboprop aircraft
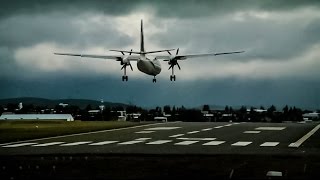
(148,66)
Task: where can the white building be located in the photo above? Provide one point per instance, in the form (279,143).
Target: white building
(63,117)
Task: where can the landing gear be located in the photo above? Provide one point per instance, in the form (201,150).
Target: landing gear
(124,78)
(173,77)
(154,80)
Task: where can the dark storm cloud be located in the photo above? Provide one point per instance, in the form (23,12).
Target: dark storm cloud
(165,8)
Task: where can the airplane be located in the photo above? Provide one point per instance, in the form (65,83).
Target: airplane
(144,64)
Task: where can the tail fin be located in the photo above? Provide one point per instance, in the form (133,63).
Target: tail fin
(142,40)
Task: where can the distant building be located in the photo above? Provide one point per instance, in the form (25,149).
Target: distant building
(63,117)
(311,116)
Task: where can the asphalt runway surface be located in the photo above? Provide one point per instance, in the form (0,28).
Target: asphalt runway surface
(176,149)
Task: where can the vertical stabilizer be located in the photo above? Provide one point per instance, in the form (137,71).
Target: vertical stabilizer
(142,40)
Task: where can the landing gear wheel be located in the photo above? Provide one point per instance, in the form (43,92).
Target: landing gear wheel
(154,80)
(173,77)
(124,78)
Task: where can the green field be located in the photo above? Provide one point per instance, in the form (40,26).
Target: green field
(19,130)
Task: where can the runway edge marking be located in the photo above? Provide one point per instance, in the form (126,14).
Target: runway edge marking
(79,134)
(305,137)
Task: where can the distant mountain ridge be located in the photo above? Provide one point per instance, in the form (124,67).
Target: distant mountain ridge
(82,103)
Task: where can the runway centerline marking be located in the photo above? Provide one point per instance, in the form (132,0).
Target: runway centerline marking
(198,139)
(192,132)
(159,142)
(47,144)
(270,128)
(76,143)
(102,143)
(213,143)
(227,125)
(130,142)
(208,129)
(186,142)
(19,145)
(161,128)
(217,127)
(144,132)
(241,143)
(177,135)
(269,144)
(305,137)
(251,132)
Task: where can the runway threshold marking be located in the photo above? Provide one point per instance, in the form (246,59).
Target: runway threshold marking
(102,143)
(86,133)
(186,142)
(19,145)
(251,132)
(47,144)
(177,135)
(142,139)
(269,144)
(305,137)
(76,143)
(144,132)
(241,143)
(270,128)
(213,143)
(198,139)
(159,142)
(130,142)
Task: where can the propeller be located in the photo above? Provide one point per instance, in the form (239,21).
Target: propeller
(126,63)
(173,61)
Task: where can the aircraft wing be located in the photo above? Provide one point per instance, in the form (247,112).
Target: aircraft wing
(130,57)
(183,57)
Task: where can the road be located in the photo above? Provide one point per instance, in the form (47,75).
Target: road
(235,149)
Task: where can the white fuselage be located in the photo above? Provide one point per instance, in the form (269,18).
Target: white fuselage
(147,66)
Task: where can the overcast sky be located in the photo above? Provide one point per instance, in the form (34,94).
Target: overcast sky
(280,66)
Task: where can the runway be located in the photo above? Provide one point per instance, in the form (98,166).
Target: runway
(179,138)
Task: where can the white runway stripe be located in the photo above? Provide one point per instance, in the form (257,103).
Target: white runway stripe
(130,142)
(192,132)
(159,142)
(241,143)
(198,139)
(19,145)
(269,144)
(208,129)
(305,137)
(213,143)
(177,135)
(161,128)
(144,132)
(186,142)
(228,125)
(47,144)
(102,143)
(251,132)
(217,127)
(270,128)
(76,143)
(142,139)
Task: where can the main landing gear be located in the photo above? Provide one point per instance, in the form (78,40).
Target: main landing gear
(172,77)
(124,78)
(154,80)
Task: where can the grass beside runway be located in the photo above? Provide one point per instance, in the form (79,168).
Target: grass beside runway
(19,130)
